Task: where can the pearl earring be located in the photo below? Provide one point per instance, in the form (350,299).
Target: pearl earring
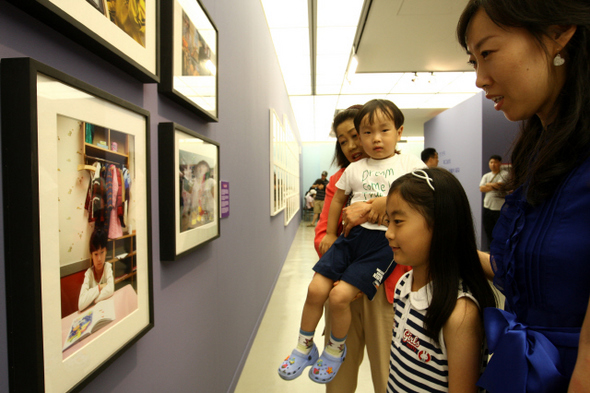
(558,60)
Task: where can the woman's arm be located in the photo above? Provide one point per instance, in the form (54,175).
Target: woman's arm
(463,334)
(361,212)
(322,224)
(580,381)
(484,259)
(333,217)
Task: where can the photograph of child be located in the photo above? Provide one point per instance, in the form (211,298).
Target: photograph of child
(197,196)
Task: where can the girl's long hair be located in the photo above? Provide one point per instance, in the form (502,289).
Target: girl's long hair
(453,249)
(542,157)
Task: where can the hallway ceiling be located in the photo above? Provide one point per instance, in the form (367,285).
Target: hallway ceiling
(393,40)
(410,36)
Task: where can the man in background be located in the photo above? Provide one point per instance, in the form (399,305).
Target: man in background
(430,157)
(493,200)
(318,204)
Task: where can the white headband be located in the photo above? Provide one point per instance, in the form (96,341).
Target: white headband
(423,175)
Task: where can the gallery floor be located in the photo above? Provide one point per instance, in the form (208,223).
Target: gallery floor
(279,328)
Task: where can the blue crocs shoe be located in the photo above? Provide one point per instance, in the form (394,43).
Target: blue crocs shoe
(295,363)
(326,368)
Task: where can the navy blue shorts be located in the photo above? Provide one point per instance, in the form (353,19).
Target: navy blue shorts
(363,259)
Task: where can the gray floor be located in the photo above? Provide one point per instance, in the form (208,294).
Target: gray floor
(279,328)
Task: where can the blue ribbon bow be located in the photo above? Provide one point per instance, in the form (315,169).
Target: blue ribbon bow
(524,359)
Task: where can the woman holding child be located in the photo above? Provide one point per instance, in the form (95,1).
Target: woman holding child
(370,327)
(359,262)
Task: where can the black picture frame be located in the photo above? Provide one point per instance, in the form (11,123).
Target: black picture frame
(189,58)
(88,23)
(41,108)
(186,226)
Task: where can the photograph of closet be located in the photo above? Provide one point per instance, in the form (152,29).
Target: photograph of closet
(95,171)
(106,157)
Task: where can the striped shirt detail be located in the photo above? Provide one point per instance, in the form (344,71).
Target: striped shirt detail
(416,363)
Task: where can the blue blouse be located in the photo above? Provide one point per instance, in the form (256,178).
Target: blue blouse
(541,259)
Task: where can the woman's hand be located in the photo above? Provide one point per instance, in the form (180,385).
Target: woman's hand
(354,215)
(358,213)
(326,243)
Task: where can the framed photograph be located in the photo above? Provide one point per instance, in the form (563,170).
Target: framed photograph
(278,173)
(189,190)
(291,168)
(189,57)
(123,32)
(77,244)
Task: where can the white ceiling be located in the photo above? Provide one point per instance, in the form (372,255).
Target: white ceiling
(393,40)
(410,36)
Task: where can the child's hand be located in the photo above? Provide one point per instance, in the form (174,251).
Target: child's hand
(372,211)
(378,210)
(326,243)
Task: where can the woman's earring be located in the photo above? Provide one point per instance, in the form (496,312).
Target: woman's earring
(558,60)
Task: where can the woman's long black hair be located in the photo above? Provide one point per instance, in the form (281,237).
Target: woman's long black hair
(347,114)
(453,249)
(542,157)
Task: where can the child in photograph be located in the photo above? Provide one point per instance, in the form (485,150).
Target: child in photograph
(362,260)
(438,335)
(203,194)
(99,283)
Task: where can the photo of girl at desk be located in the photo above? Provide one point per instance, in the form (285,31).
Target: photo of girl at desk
(97,240)
(99,283)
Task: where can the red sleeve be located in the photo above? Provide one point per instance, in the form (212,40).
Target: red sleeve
(392,280)
(322,224)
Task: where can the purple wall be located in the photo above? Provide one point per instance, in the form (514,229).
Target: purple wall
(207,305)
(465,137)
(456,135)
(498,134)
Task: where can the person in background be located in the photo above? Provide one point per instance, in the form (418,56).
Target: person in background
(531,59)
(491,184)
(99,283)
(430,157)
(309,199)
(438,337)
(320,186)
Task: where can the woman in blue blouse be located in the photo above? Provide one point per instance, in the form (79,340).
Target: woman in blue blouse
(532,59)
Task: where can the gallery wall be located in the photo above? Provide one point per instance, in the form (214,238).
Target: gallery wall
(208,304)
(465,136)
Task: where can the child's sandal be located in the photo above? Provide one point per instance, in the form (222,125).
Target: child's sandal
(326,368)
(295,363)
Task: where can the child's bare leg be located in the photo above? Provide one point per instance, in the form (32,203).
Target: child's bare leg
(317,293)
(340,298)
(306,353)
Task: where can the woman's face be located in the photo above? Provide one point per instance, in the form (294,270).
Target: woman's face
(349,141)
(513,69)
(201,170)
